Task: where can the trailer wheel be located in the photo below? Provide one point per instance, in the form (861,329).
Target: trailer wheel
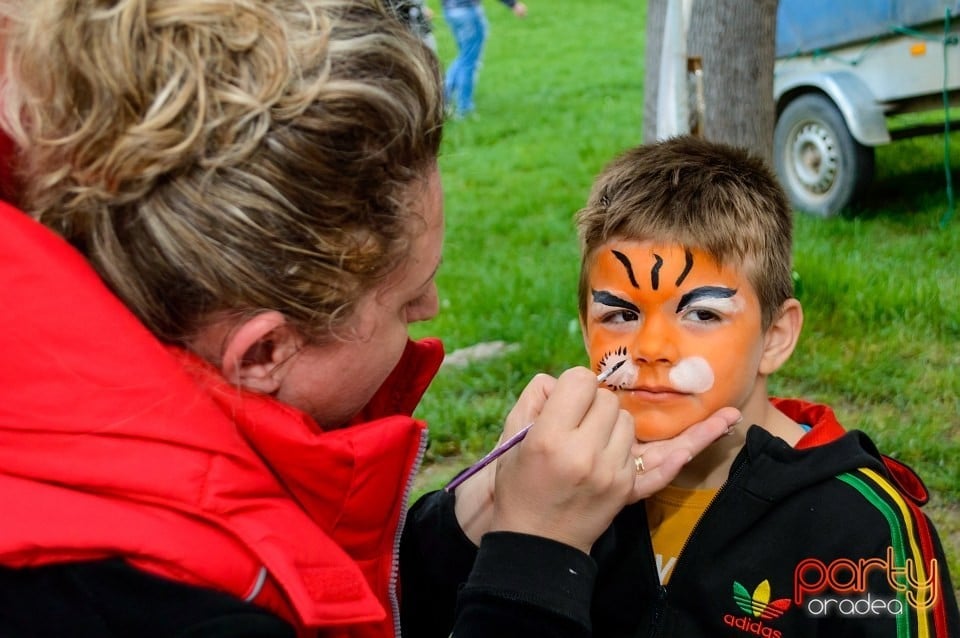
(822,168)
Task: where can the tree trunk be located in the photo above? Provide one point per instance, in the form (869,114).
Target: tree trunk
(656,14)
(734,40)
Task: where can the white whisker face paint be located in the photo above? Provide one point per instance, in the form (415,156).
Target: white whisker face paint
(624,377)
(692,375)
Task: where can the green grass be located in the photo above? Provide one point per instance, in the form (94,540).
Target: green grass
(559,95)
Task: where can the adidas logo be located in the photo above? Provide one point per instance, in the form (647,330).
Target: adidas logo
(759,604)
(758,608)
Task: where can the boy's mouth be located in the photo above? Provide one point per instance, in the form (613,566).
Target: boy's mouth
(654,393)
(654,388)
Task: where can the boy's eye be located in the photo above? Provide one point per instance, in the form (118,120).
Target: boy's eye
(701,315)
(620,316)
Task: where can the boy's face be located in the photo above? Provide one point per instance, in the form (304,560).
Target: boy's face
(688,330)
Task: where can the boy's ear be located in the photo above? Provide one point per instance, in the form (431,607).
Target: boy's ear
(255,350)
(781,337)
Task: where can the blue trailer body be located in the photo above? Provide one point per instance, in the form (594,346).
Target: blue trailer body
(805,26)
(843,70)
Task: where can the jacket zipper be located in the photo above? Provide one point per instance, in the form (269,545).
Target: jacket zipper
(658,608)
(395,557)
(739,463)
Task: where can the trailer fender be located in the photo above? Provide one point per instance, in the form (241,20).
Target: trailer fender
(861,112)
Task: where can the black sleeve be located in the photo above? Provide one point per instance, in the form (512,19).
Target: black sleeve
(516,585)
(525,586)
(435,560)
(110,599)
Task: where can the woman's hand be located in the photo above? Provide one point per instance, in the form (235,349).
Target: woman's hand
(661,461)
(576,468)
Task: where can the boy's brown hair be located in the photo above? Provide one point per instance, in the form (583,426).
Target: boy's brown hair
(698,194)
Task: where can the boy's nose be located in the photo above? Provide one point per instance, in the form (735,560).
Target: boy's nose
(655,342)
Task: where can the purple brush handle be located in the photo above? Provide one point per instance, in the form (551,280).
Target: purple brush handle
(498,451)
(491,456)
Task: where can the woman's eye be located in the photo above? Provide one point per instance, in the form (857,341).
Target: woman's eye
(620,316)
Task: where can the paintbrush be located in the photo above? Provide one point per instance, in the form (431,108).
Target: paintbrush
(498,451)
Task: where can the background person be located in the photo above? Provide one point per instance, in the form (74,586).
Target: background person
(418,16)
(468,24)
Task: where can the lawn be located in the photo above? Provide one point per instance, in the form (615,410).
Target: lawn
(560,93)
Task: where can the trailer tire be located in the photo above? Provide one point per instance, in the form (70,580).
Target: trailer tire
(820,165)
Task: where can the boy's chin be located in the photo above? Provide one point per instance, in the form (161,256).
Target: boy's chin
(659,426)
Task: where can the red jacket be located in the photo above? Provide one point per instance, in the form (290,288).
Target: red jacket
(112,444)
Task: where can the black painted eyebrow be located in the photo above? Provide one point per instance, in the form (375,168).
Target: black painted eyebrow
(609,299)
(688,258)
(623,259)
(705,292)
(655,272)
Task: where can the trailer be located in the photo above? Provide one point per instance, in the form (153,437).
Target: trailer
(843,69)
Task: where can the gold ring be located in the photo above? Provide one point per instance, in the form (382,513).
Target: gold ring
(638,461)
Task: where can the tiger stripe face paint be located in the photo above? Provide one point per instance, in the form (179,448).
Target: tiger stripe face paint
(688,331)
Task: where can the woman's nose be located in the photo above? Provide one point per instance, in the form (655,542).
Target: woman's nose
(426,307)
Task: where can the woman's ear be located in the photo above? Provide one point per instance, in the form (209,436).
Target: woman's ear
(256,349)
(781,337)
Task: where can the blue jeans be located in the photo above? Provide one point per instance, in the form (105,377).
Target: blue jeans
(469,27)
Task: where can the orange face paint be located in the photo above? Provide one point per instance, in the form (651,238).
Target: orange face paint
(688,330)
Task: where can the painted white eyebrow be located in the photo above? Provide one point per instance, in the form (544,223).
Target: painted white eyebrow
(726,302)
(705,292)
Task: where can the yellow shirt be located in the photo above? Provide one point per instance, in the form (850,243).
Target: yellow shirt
(672,513)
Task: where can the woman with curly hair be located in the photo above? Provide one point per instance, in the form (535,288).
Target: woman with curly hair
(205,426)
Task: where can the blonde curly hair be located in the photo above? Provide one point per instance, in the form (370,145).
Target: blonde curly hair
(214,156)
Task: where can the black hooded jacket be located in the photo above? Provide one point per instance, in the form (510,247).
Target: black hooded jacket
(825,539)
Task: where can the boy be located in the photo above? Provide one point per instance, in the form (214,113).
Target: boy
(788,527)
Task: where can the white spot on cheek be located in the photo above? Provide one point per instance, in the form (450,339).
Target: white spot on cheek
(693,375)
